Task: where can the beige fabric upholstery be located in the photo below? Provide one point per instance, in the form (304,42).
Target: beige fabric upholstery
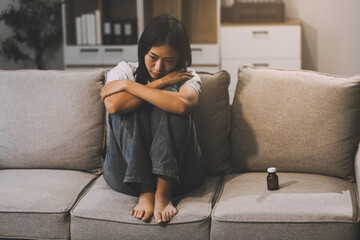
(284,231)
(297,121)
(357,174)
(52,119)
(212,119)
(102,209)
(304,202)
(35,204)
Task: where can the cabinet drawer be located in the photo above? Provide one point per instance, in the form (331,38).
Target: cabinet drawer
(115,54)
(74,55)
(261,41)
(232,66)
(209,69)
(99,55)
(203,54)
(286,63)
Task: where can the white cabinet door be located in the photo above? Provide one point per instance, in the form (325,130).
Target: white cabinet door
(260,41)
(99,55)
(76,55)
(205,54)
(276,46)
(112,55)
(286,63)
(232,66)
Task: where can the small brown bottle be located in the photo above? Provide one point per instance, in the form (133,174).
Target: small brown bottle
(272,179)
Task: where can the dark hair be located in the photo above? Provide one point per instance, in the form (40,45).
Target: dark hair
(161,30)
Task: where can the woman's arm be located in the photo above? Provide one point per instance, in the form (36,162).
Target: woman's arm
(181,102)
(118,100)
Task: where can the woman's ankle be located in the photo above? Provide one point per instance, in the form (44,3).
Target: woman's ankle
(164,186)
(146,188)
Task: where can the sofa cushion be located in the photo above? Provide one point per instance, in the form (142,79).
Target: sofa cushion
(35,204)
(102,208)
(212,119)
(51,119)
(307,206)
(298,121)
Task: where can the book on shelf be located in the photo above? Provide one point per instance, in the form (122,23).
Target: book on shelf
(79,38)
(98,27)
(88,29)
(107,34)
(118,33)
(130,30)
(83,30)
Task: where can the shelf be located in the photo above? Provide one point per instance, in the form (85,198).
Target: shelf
(72,9)
(112,11)
(292,22)
(200,17)
(156,7)
(202,25)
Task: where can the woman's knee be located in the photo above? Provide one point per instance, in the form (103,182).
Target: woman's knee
(171,88)
(130,119)
(177,124)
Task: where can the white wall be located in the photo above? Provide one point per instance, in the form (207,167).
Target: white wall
(54,59)
(330,34)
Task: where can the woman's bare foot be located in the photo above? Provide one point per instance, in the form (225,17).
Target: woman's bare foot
(164,209)
(145,207)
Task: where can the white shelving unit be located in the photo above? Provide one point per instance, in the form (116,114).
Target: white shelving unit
(194,14)
(260,45)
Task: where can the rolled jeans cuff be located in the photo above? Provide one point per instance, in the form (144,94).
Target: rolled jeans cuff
(138,180)
(166,173)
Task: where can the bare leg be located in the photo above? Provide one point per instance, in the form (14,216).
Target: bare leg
(145,207)
(164,209)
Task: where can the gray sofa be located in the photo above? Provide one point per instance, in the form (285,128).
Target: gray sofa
(306,124)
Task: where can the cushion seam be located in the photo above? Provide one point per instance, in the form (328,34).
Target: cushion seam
(301,70)
(221,190)
(83,193)
(204,219)
(281,221)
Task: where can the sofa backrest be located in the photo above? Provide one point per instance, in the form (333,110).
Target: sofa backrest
(298,121)
(52,119)
(212,120)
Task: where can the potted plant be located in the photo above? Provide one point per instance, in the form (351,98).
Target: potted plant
(35,24)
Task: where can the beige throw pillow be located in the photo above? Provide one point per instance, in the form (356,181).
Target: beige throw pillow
(297,121)
(52,119)
(212,120)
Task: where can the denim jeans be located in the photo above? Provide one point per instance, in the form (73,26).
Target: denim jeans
(150,142)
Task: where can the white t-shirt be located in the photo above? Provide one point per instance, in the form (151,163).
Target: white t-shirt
(126,71)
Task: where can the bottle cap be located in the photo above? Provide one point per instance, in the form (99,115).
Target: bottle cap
(271,169)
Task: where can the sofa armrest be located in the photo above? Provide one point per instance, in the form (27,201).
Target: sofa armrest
(357,176)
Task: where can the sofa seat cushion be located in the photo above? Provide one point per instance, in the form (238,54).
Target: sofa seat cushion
(102,208)
(297,121)
(307,206)
(36,203)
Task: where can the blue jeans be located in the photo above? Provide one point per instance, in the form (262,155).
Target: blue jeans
(150,142)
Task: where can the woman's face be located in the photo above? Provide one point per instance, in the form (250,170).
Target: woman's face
(161,60)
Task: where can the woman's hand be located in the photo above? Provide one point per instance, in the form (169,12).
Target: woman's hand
(176,77)
(113,87)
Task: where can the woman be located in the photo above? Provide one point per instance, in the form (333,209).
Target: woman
(153,151)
